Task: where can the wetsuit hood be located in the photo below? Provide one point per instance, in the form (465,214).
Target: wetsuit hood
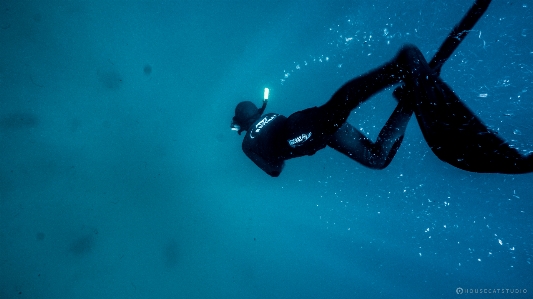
(246,113)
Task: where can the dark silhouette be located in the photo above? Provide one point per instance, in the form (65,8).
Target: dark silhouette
(452,131)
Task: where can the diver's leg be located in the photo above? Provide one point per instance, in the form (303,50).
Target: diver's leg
(408,66)
(458,137)
(352,143)
(458,34)
(311,129)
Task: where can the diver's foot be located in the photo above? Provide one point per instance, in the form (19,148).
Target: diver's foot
(410,63)
(405,97)
(400,93)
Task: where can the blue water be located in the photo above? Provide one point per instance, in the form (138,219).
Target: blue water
(120,178)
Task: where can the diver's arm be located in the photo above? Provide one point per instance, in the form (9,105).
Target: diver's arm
(273,169)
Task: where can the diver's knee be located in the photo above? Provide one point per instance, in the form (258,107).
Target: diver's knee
(380,166)
(410,52)
(409,47)
(378,162)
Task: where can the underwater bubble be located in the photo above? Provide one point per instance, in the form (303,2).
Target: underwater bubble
(40,236)
(147,69)
(110,78)
(18,120)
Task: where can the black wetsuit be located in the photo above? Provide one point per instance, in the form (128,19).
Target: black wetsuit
(273,138)
(264,143)
(452,131)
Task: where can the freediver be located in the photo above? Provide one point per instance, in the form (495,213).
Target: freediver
(452,131)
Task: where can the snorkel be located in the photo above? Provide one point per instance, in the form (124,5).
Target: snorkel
(265,97)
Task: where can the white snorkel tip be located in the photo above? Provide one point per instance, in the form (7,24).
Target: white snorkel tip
(266,94)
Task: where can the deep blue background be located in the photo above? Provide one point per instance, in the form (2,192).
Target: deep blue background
(120,178)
